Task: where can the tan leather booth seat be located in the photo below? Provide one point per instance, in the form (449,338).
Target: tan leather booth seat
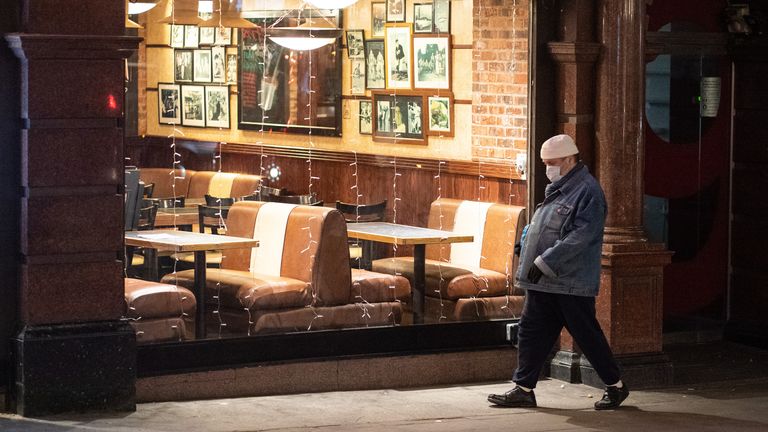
(469,281)
(196,184)
(309,284)
(158,311)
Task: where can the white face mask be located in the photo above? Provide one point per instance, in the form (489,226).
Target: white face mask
(553,173)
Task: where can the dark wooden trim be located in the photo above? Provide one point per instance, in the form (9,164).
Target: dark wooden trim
(217,354)
(687,43)
(462,46)
(473,168)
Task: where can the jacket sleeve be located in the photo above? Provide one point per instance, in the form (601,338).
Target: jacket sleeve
(588,225)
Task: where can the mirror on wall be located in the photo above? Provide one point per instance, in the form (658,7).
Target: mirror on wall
(285,90)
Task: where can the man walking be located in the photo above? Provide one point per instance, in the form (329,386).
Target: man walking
(560,271)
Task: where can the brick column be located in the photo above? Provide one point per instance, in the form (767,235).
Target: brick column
(73,353)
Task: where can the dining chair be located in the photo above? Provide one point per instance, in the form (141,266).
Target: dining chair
(140,257)
(354,213)
(149,189)
(165,203)
(213,201)
(307,199)
(210,220)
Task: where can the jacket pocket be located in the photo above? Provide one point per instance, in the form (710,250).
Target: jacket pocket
(558,216)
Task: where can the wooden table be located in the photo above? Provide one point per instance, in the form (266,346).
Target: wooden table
(385,232)
(183,241)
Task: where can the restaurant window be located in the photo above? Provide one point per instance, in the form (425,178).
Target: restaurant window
(372,182)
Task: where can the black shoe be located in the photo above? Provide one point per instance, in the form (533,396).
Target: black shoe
(612,398)
(515,398)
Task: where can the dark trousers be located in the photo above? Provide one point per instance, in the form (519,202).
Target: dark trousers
(544,316)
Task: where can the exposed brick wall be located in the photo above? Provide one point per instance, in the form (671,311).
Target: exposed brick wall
(499,79)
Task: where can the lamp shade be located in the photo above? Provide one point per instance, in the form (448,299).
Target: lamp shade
(331,4)
(312,34)
(139,7)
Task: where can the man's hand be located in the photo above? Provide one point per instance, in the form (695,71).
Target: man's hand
(534,274)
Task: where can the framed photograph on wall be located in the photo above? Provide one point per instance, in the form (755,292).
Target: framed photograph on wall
(357,67)
(232,68)
(398,118)
(355,44)
(223,36)
(191,36)
(202,63)
(218,64)
(366,116)
(440,115)
(217,106)
(374,64)
(177,36)
(432,61)
(441,16)
(422,17)
(182,65)
(398,56)
(378,19)
(168,107)
(193,105)
(395,10)
(207,35)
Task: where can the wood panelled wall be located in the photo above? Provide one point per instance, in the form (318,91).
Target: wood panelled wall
(415,182)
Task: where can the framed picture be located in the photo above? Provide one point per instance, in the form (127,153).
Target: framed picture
(440,115)
(441,16)
(358,76)
(395,10)
(398,56)
(193,105)
(168,109)
(422,17)
(355,44)
(202,63)
(365,114)
(223,36)
(177,36)
(232,68)
(182,65)
(219,67)
(432,61)
(378,19)
(191,36)
(207,35)
(374,64)
(398,118)
(217,106)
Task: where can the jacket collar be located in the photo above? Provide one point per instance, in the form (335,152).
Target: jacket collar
(569,182)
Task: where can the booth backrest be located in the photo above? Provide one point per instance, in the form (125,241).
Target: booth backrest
(163,179)
(314,246)
(196,184)
(496,228)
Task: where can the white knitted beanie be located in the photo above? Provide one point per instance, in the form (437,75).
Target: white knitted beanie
(559,146)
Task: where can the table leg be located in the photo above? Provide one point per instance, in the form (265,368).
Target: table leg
(200,294)
(419,282)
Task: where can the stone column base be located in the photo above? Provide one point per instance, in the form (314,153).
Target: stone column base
(74,367)
(651,370)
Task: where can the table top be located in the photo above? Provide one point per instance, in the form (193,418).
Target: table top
(386,232)
(184,241)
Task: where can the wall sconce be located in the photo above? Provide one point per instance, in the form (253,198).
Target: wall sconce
(521,164)
(273,172)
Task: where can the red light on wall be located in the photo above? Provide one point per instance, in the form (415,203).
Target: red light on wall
(111,102)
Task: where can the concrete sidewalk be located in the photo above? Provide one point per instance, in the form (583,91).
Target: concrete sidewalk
(719,406)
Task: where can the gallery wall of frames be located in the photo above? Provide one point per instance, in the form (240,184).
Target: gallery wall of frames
(405,82)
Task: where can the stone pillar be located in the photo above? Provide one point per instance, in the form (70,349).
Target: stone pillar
(630,301)
(72,353)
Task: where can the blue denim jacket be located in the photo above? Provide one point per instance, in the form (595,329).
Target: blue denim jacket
(565,237)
